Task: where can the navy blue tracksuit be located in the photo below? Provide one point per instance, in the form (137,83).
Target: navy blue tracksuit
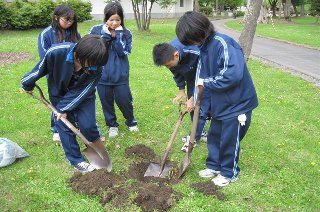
(184,74)
(70,92)
(232,92)
(46,39)
(114,83)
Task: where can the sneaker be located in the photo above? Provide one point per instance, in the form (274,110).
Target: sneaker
(84,167)
(186,145)
(56,137)
(185,138)
(206,173)
(113,132)
(134,129)
(223,181)
(203,136)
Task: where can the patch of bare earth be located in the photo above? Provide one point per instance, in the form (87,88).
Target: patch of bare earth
(13,57)
(148,193)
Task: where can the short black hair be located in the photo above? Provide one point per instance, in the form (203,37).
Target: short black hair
(92,49)
(163,53)
(193,27)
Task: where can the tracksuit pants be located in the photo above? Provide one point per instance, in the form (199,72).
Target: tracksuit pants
(120,94)
(84,118)
(223,143)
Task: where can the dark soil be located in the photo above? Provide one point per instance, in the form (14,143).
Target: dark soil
(10,58)
(148,193)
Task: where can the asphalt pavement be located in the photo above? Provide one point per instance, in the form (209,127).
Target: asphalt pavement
(300,60)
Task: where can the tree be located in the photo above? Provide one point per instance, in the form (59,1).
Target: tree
(315,9)
(142,11)
(286,10)
(273,5)
(249,29)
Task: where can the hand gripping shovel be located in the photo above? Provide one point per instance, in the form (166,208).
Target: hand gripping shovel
(162,170)
(187,158)
(95,152)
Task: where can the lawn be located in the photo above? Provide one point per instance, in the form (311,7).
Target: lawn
(303,31)
(279,158)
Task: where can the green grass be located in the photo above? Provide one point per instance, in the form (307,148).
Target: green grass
(302,31)
(279,159)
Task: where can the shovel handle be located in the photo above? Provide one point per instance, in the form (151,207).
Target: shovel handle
(63,119)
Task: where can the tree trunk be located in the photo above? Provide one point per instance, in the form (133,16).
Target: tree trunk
(302,9)
(286,10)
(217,7)
(149,15)
(196,6)
(249,29)
(136,12)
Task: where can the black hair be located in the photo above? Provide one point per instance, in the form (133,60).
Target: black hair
(163,53)
(114,8)
(194,28)
(64,11)
(93,50)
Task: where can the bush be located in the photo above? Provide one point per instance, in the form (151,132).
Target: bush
(4,14)
(22,14)
(240,13)
(80,7)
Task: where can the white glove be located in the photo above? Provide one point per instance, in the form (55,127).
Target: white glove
(119,28)
(200,82)
(242,119)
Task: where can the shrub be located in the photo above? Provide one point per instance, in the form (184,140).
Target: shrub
(80,7)
(4,14)
(240,13)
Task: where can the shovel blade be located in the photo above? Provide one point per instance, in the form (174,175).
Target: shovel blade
(154,171)
(96,160)
(184,165)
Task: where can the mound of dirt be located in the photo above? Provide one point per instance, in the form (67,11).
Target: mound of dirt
(149,193)
(208,188)
(12,57)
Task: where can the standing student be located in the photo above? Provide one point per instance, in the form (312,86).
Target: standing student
(73,71)
(224,73)
(182,61)
(114,83)
(63,28)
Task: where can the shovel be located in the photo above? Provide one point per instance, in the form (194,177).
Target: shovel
(187,158)
(95,152)
(162,170)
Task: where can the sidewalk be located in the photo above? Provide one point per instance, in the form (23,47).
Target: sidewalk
(300,60)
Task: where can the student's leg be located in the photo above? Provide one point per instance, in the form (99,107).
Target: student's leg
(231,134)
(106,95)
(213,144)
(124,100)
(68,141)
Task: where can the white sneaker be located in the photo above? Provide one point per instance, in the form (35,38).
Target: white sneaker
(186,144)
(113,132)
(206,173)
(223,181)
(134,129)
(56,137)
(84,167)
(185,138)
(203,136)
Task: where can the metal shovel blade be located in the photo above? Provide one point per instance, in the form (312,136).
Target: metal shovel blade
(96,160)
(154,170)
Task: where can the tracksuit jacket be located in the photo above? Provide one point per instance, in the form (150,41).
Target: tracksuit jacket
(227,78)
(66,88)
(116,71)
(187,65)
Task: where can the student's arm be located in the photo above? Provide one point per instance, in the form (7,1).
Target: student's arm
(179,79)
(77,95)
(123,42)
(43,44)
(102,31)
(231,66)
(40,70)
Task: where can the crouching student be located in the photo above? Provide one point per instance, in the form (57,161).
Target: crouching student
(182,61)
(223,72)
(73,72)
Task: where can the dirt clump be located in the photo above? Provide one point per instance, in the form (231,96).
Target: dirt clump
(208,188)
(141,151)
(13,57)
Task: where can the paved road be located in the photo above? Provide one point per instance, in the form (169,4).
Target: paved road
(301,60)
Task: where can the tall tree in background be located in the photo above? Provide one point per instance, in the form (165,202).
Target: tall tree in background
(249,29)
(286,10)
(315,9)
(273,5)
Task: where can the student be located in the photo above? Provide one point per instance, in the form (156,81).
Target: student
(63,28)
(182,61)
(114,83)
(223,72)
(73,71)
